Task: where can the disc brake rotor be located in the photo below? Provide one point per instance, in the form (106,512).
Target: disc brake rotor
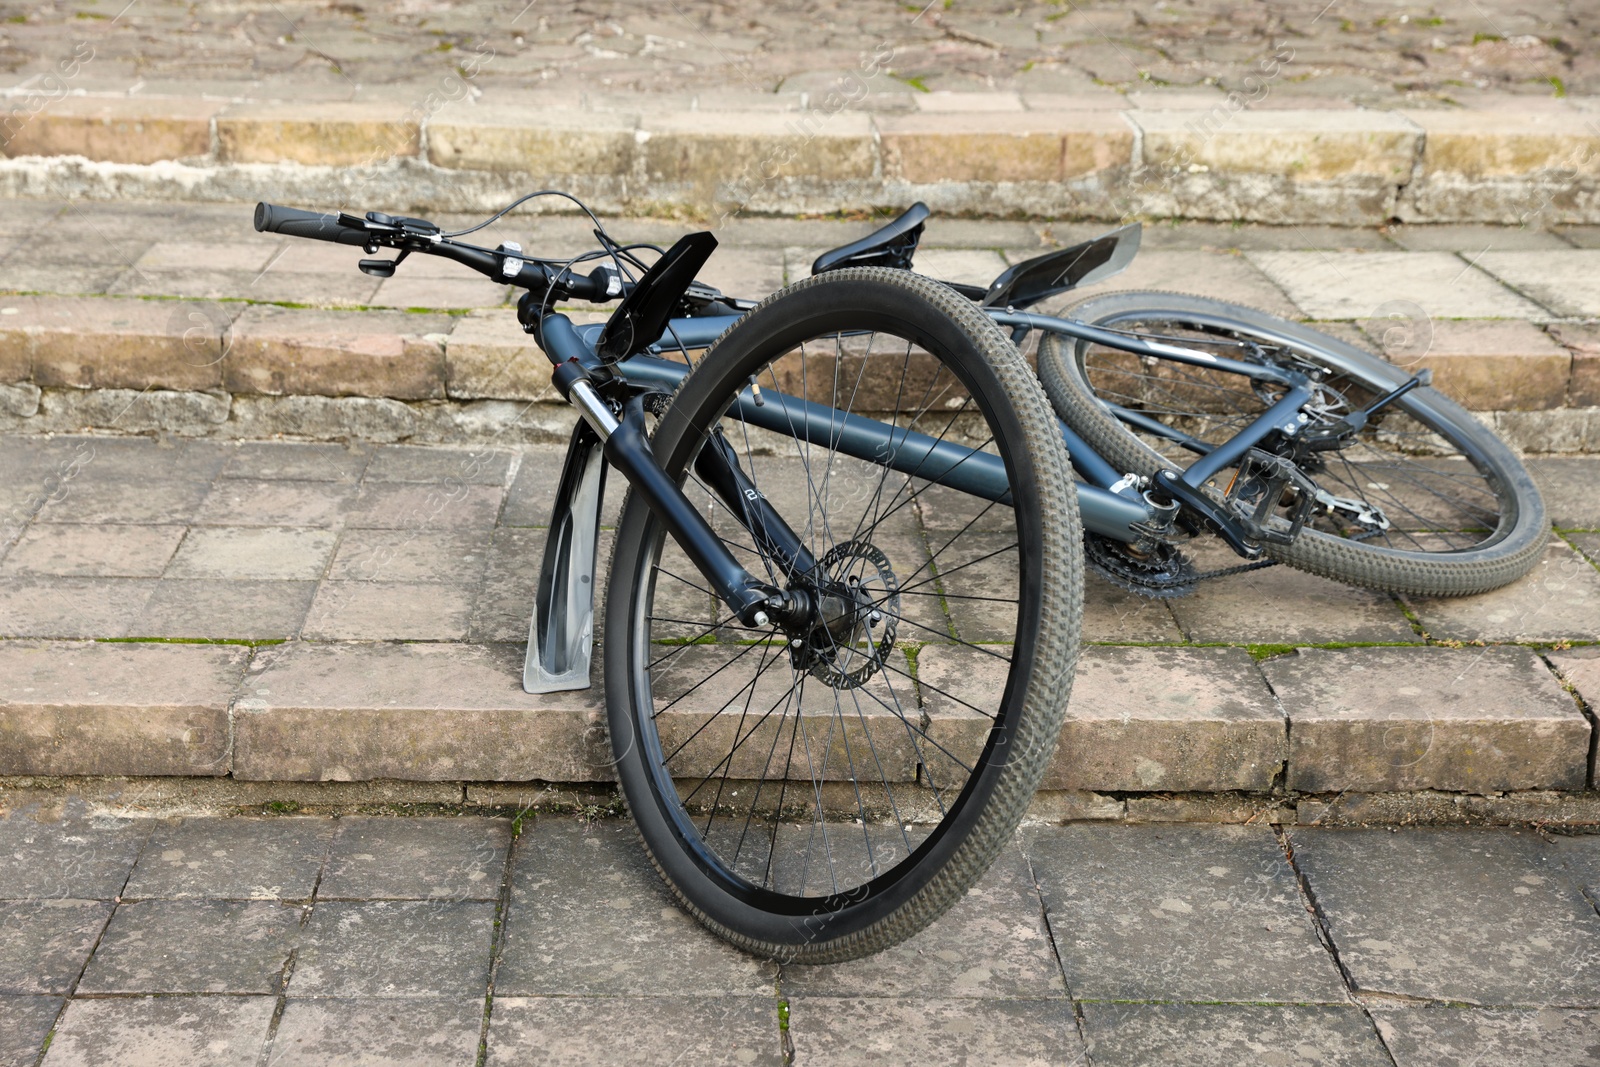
(844,652)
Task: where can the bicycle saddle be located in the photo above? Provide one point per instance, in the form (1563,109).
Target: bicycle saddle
(889,246)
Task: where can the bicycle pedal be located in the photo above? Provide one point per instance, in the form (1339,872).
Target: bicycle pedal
(1259,488)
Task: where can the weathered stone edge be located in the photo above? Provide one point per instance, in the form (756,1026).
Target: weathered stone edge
(1067,156)
(167,797)
(246,737)
(55,370)
(28,409)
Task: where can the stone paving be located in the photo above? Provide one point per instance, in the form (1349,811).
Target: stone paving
(1361,50)
(296,939)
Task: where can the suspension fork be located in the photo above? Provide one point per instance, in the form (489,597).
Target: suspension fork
(718,466)
(627,448)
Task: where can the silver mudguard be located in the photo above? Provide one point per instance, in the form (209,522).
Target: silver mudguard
(561,631)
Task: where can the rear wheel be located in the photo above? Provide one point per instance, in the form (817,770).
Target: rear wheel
(1425,499)
(821,797)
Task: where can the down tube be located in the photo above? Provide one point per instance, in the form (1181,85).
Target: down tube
(979,473)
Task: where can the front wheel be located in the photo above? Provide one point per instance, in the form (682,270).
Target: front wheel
(1424,499)
(820,796)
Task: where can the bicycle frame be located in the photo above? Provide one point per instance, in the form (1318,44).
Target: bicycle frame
(561,629)
(618,359)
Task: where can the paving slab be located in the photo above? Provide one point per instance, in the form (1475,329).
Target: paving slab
(264,553)
(224,610)
(1567,485)
(194,946)
(583,1031)
(1441,1036)
(1567,282)
(533,491)
(98,708)
(1281,605)
(386,948)
(1179,913)
(72,856)
(429,464)
(277,503)
(350,1033)
(1203,1035)
(297,461)
(453,557)
(1579,856)
(505,599)
(992,944)
(392,506)
(209,1031)
(1588,544)
(47,942)
(1457,915)
(1381,719)
(1356,285)
(864,1031)
(414,711)
(416,859)
(98,496)
(389,611)
(25,1022)
(242,858)
(590,917)
(99,551)
(1559,599)
(71,607)
(1251,236)
(1473,239)
(1219,275)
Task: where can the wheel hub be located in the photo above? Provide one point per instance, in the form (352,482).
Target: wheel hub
(855,615)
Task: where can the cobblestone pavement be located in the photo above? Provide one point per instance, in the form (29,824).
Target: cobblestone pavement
(1367,51)
(464,940)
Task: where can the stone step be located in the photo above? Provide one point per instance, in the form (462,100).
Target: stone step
(1143,720)
(237,369)
(1091,155)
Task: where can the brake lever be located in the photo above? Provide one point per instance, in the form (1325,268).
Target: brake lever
(383,268)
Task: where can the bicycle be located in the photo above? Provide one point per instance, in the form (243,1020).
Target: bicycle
(820,753)
(1308,397)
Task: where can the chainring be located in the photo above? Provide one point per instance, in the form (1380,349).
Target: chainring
(1165,573)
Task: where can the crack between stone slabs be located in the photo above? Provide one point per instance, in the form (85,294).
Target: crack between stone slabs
(1325,935)
(1279,786)
(1417,158)
(1584,709)
(116,902)
(502,907)
(281,1002)
(1055,951)
(1472,264)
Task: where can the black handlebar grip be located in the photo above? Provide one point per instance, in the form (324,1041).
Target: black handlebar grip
(292,221)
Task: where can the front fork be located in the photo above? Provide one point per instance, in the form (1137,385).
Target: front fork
(560,632)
